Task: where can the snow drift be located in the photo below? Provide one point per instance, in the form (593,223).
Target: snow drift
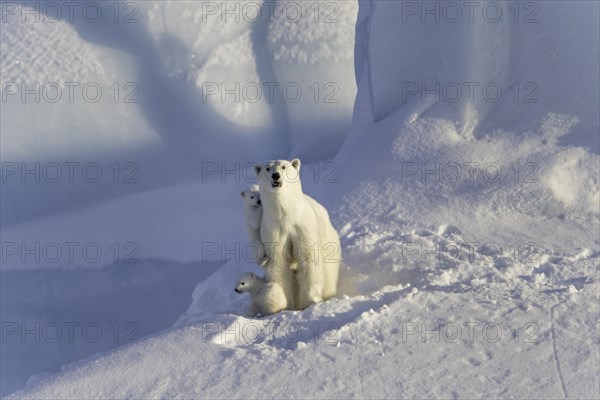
(496,65)
(167,86)
(469,231)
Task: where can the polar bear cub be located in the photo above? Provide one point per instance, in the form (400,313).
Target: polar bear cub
(297,234)
(266,298)
(253,214)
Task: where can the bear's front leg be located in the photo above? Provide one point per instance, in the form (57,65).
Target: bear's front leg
(309,280)
(277,270)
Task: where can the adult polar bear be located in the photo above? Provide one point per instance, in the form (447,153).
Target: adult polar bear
(297,234)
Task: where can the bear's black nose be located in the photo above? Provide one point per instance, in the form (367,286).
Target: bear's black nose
(258,202)
(276,176)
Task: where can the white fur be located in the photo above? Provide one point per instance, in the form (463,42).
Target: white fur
(266,298)
(253,215)
(296,231)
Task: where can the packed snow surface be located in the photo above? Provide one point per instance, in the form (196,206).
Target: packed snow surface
(470,227)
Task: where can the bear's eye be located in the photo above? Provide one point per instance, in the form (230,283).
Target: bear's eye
(251,197)
(283,167)
(243,283)
(268,169)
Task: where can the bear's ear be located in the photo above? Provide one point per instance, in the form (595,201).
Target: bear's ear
(296,163)
(243,194)
(252,274)
(257,169)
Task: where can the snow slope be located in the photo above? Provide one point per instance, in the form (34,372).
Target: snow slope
(470,236)
(487,342)
(148,84)
(476,61)
(160,145)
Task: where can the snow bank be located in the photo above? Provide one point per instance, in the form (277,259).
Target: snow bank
(489,209)
(144,176)
(469,234)
(458,221)
(179,84)
(469,344)
(411,172)
(495,64)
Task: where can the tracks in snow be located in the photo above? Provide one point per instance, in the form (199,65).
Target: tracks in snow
(556,360)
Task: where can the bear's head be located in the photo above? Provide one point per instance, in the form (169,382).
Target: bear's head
(279,175)
(246,282)
(251,196)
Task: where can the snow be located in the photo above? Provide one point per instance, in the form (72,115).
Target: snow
(470,230)
(553,71)
(363,338)
(163,70)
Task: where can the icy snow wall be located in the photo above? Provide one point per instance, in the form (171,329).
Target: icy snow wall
(167,86)
(494,64)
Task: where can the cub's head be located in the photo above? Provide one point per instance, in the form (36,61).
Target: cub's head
(251,196)
(246,282)
(279,175)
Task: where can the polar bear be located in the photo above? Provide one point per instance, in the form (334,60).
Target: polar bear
(297,234)
(266,298)
(253,215)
